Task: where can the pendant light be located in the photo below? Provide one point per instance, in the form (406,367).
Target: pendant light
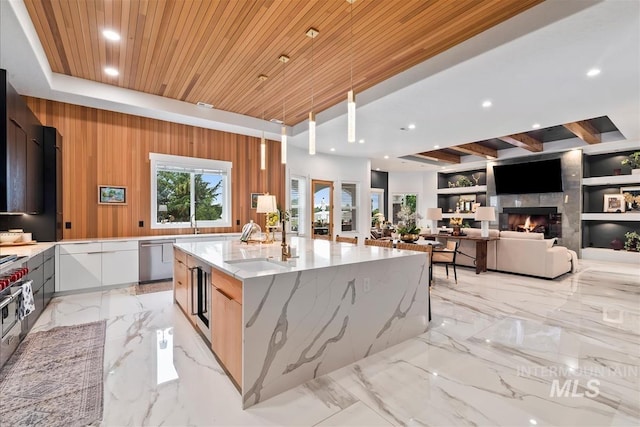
(312,32)
(263,146)
(283,131)
(351,98)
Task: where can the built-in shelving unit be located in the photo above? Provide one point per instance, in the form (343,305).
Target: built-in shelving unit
(454,188)
(604,176)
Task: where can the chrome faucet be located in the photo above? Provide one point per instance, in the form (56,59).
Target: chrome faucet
(194,224)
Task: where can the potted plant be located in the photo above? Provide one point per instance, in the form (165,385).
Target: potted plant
(632,241)
(633,161)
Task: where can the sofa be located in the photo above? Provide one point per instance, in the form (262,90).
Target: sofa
(522,253)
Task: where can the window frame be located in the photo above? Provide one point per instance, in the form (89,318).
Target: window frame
(225,167)
(354,207)
(303,183)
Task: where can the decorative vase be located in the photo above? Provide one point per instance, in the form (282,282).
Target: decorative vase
(409,238)
(456,230)
(616,244)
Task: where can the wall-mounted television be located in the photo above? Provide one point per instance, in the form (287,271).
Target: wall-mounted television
(530,177)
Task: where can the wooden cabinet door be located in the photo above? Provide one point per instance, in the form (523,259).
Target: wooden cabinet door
(226,332)
(180,291)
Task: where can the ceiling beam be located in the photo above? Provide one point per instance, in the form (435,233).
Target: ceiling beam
(523,140)
(585,131)
(477,150)
(443,156)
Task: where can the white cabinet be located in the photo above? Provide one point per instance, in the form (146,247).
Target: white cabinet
(79,270)
(93,265)
(119,262)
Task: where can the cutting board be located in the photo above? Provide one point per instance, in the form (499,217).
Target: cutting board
(33,242)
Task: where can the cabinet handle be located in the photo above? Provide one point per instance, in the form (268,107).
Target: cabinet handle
(35,140)
(107,252)
(93,253)
(193,300)
(15,122)
(224,295)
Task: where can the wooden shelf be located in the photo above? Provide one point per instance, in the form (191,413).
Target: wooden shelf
(463,190)
(611,180)
(448,215)
(610,217)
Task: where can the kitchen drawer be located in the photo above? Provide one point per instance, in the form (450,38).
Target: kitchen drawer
(227,284)
(126,245)
(49,254)
(80,248)
(49,268)
(35,261)
(179,255)
(36,274)
(80,271)
(119,267)
(48,289)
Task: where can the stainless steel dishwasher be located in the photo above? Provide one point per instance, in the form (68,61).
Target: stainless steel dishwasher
(156,260)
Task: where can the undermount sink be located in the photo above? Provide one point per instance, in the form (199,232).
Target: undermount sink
(255,265)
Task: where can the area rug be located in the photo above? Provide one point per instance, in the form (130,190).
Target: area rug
(55,378)
(148,288)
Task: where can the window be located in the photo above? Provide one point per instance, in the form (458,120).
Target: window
(297,196)
(188,191)
(377,204)
(349,207)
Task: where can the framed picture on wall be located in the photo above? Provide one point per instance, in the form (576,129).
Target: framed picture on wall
(112,195)
(254,200)
(614,203)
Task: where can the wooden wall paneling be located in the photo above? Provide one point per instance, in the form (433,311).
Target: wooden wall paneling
(105,147)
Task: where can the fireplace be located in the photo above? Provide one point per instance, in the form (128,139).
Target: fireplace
(544,220)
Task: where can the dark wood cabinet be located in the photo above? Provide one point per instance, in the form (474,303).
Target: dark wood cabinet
(21,141)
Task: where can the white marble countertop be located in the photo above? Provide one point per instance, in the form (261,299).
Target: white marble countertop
(310,254)
(26,250)
(154,237)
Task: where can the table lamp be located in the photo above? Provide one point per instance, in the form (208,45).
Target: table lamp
(435,215)
(266,205)
(485,214)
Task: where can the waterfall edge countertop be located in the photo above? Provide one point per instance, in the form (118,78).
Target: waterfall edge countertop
(245,261)
(275,324)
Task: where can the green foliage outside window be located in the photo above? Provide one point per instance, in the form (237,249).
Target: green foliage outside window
(174,191)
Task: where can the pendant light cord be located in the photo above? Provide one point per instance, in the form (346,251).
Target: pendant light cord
(284,75)
(312,72)
(351,42)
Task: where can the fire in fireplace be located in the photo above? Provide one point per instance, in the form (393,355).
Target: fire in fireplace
(532,220)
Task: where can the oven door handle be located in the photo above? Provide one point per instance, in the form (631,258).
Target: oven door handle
(5,302)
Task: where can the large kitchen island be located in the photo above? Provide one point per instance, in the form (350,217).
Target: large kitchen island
(275,324)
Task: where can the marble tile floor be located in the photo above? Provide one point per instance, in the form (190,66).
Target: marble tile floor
(501,350)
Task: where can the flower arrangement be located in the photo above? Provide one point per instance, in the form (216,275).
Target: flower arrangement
(455,221)
(408,218)
(631,200)
(272,219)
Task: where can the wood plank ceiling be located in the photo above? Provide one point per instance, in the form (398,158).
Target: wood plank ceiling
(214,50)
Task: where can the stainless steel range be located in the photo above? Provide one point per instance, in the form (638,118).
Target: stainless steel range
(11,274)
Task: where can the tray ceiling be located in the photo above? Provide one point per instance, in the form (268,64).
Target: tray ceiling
(213,51)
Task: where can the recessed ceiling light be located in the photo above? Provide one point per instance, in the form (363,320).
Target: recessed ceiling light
(361,141)
(377,169)
(332,149)
(533,422)
(278,121)
(412,126)
(436,146)
(110,71)
(593,72)
(487,104)
(111,35)
(386,157)
(442,167)
(535,125)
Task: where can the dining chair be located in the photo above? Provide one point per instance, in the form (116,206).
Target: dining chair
(447,256)
(379,243)
(340,239)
